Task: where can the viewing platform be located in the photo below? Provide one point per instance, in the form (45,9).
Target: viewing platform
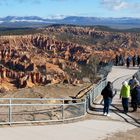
(95,126)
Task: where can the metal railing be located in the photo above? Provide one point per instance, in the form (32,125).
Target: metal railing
(29,110)
(95,92)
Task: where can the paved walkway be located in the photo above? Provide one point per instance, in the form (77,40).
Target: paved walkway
(94,129)
(117,76)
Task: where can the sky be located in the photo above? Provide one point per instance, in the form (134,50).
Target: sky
(62,8)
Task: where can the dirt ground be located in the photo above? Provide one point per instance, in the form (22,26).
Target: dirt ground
(129,135)
(48,91)
(43,112)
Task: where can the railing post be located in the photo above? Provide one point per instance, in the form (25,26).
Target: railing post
(63,110)
(93,95)
(85,106)
(102,85)
(88,102)
(10,111)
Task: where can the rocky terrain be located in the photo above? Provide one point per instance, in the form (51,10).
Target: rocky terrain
(60,54)
(39,60)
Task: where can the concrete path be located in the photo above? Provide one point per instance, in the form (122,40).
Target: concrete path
(98,129)
(125,75)
(119,75)
(86,130)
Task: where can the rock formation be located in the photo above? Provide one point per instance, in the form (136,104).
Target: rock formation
(40,59)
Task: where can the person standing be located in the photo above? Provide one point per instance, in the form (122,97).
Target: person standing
(135,95)
(128,61)
(138,60)
(107,94)
(125,94)
(121,60)
(134,60)
(132,83)
(117,60)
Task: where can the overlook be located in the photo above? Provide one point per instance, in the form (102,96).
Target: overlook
(58,54)
(66,63)
(69,69)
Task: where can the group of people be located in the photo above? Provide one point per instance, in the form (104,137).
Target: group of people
(128,89)
(120,60)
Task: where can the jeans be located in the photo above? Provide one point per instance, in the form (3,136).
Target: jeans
(107,102)
(125,104)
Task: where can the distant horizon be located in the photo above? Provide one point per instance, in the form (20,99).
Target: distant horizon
(82,8)
(65,16)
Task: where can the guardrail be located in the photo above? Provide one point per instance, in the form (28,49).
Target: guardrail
(95,92)
(29,110)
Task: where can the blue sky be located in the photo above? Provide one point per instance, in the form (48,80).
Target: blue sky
(60,8)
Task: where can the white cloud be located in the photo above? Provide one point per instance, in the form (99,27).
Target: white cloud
(115,4)
(120,6)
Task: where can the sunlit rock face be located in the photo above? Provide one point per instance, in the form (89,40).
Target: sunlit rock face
(38,60)
(104,44)
(47,58)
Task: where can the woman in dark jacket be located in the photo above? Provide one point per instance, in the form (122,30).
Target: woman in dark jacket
(135,95)
(107,94)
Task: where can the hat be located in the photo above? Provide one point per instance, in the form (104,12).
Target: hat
(125,83)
